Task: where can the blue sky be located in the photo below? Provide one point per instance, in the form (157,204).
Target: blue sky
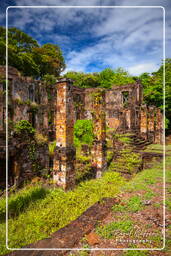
(95,38)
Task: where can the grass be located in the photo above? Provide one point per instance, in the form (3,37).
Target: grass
(157,147)
(18,202)
(128,162)
(51,147)
(108,231)
(142,180)
(37,219)
(149,195)
(59,208)
(133,204)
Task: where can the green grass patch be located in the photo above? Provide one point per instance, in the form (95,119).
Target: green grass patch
(142,180)
(59,208)
(133,204)
(20,201)
(107,231)
(149,195)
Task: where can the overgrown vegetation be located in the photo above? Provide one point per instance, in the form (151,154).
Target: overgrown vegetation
(104,79)
(83,133)
(127,162)
(58,208)
(23,127)
(52,146)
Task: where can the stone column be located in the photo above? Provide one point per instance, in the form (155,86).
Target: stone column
(128,120)
(158,127)
(150,122)
(99,128)
(143,122)
(64,158)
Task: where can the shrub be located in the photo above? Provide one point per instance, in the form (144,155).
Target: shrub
(40,138)
(52,146)
(83,132)
(25,127)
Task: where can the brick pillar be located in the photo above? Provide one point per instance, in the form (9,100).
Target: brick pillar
(143,122)
(128,119)
(150,122)
(158,127)
(64,159)
(99,128)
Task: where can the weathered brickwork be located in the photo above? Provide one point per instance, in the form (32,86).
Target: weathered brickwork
(99,128)
(143,122)
(123,107)
(158,127)
(151,123)
(64,161)
(53,109)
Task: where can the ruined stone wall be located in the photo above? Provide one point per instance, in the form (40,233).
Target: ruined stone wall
(123,107)
(53,109)
(151,126)
(79,102)
(27,100)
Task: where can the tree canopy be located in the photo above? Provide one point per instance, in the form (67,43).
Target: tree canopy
(25,54)
(153,89)
(104,79)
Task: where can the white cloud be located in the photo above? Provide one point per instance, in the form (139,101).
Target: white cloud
(127,37)
(142,68)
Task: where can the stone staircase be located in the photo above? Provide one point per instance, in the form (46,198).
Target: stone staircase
(138,143)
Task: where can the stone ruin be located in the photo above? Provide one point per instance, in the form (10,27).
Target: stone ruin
(53,110)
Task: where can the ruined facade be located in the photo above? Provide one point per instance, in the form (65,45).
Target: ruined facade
(52,111)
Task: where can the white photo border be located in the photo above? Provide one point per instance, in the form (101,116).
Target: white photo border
(163,135)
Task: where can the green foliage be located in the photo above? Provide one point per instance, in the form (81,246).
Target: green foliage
(148,195)
(83,132)
(24,127)
(83,80)
(108,78)
(52,146)
(107,231)
(19,202)
(153,88)
(25,54)
(49,79)
(105,79)
(49,59)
